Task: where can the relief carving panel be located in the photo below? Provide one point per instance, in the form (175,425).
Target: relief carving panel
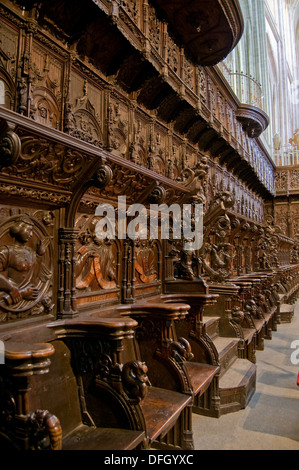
(97,261)
(26,264)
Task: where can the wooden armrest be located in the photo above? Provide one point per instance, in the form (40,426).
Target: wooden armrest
(201,376)
(112,328)
(193,299)
(165,311)
(28,359)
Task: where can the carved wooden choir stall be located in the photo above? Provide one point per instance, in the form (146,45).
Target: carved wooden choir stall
(114,343)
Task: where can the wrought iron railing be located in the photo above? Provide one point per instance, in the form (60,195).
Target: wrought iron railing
(248,89)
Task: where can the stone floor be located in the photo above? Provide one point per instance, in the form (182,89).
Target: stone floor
(271,419)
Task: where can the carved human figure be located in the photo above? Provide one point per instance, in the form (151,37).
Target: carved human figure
(23,96)
(19,262)
(183,267)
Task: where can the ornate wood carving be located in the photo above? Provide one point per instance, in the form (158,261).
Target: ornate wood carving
(26,430)
(26,278)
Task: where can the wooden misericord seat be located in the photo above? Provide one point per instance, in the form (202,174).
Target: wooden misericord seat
(170,358)
(114,390)
(26,369)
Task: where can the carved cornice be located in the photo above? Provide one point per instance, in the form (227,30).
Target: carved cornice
(254,120)
(208,30)
(121,176)
(155,68)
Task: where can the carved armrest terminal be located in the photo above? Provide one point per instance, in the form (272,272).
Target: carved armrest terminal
(24,429)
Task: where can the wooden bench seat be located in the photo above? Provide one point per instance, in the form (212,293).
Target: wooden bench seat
(201,377)
(116,393)
(286,312)
(259,325)
(92,395)
(161,410)
(169,356)
(91,438)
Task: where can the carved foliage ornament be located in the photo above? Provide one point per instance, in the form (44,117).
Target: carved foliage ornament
(48,162)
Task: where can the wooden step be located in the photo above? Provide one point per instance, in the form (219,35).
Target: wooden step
(286,313)
(211,326)
(237,386)
(227,352)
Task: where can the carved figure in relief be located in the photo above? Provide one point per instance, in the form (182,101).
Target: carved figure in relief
(251,308)
(20,263)
(70,123)
(196,179)
(218,260)
(181,350)
(184,264)
(145,262)
(23,96)
(95,264)
(237,315)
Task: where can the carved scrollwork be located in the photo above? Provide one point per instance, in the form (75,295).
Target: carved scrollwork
(195,179)
(181,350)
(48,162)
(157,196)
(89,356)
(103,176)
(224,199)
(147,329)
(45,431)
(10,147)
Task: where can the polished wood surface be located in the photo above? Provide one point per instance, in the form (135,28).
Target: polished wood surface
(106,99)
